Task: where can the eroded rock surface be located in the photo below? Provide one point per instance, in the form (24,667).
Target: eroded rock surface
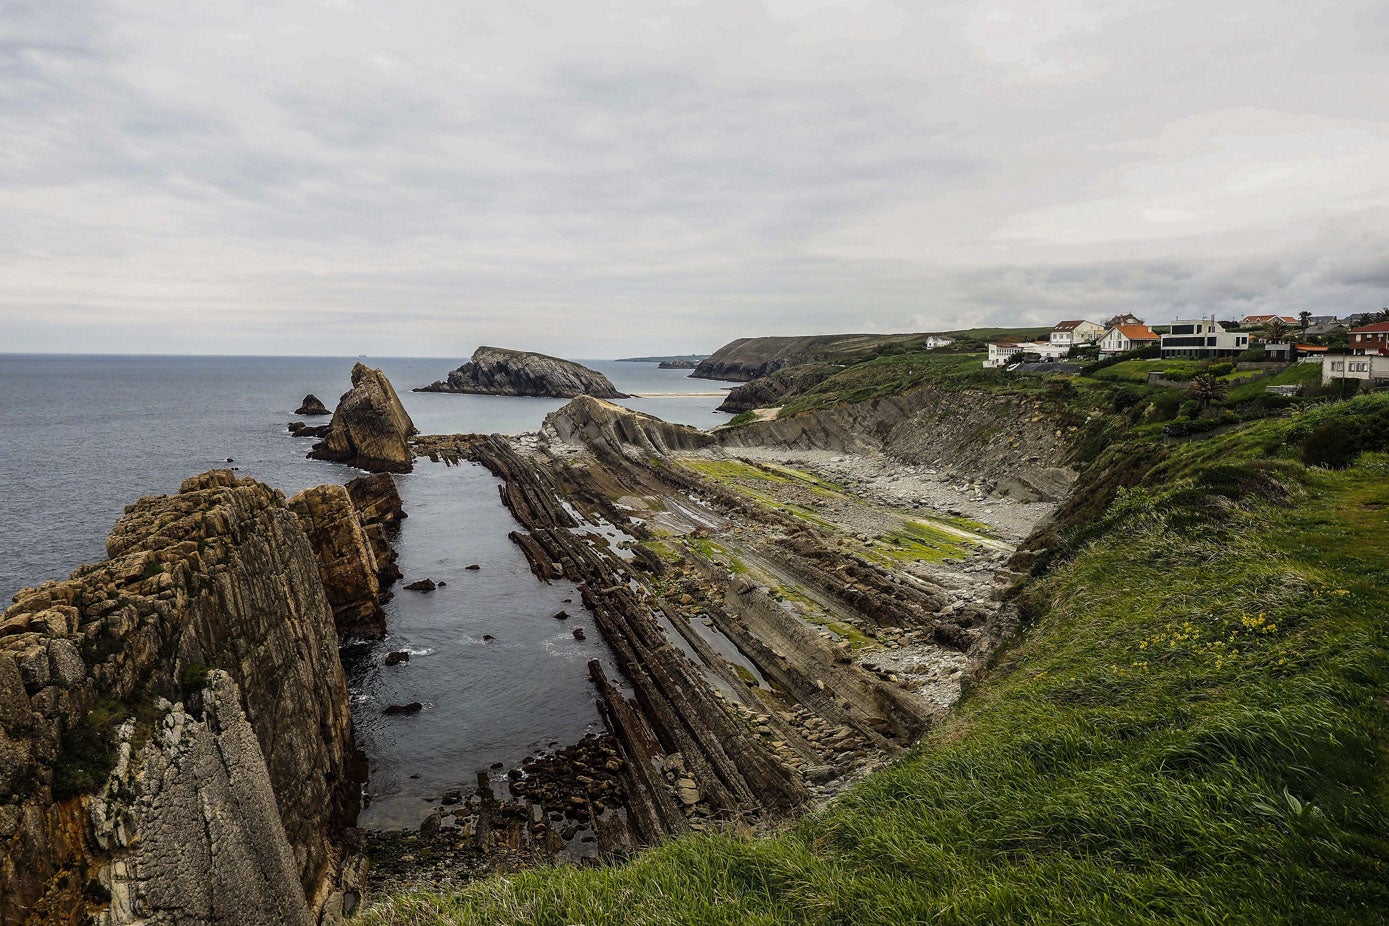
(312,405)
(346,559)
(497,371)
(598,424)
(219,578)
(370,428)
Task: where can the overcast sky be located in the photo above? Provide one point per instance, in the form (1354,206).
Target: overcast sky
(605,178)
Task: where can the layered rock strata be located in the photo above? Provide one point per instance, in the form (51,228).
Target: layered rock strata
(497,371)
(370,428)
(746,359)
(771,389)
(350,528)
(595,423)
(175,741)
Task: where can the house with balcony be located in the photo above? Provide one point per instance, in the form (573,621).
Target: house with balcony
(1120,339)
(1202,338)
(1038,351)
(1069,333)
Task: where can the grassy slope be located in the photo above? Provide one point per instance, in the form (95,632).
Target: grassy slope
(1191,729)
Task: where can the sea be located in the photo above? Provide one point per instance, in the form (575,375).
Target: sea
(82,436)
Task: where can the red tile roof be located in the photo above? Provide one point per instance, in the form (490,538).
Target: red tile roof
(1137,332)
(1376,327)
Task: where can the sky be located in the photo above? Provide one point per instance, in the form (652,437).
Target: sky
(597,179)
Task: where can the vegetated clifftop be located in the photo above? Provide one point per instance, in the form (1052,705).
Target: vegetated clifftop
(370,428)
(748,358)
(175,740)
(775,386)
(498,371)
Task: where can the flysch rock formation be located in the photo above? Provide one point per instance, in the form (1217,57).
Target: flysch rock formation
(349,528)
(771,389)
(370,428)
(600,424)
(175,740)
(498,371)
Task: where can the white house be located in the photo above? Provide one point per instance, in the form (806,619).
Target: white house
(1076,331)
(1202,337)
(934,341)
(1373,368)
(1123,338)
(999,353)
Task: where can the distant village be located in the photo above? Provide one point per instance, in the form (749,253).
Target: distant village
(1355,347)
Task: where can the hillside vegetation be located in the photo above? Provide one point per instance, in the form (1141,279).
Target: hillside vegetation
(1189,728)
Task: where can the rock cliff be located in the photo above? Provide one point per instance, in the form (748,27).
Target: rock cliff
(748,358)
(774,387)
(497,371)
(175,741)
(603,425)
(370,428)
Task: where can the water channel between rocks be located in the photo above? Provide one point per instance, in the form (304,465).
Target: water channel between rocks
(485,702)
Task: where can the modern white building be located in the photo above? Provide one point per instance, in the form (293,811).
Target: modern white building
(934,341)
(1123,338)
(1373,368)
(1203,338)
(1076,331)
(1038,350)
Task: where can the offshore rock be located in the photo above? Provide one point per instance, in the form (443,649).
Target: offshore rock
(312,405)
(676,365)
(346,560)
(498,371)
(603,425)
(370,428)
(118,803)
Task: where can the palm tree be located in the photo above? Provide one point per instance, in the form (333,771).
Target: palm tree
(1305,318)
(1383,316)
(1206,388)
(1275,330)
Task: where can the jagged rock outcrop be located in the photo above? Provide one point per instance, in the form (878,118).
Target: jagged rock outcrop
(115,801)
(497,371)
(769,390)
(377,501)
(370,428)
(748,358)
(600,424)
(346,559)
(676,365)
(312,405)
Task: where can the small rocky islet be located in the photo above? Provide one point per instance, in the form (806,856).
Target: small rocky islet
(499,371)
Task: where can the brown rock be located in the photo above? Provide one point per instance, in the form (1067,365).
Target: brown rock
(312,406)
(346,559)
(370,428)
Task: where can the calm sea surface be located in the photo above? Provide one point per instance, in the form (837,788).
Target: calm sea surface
(83,436)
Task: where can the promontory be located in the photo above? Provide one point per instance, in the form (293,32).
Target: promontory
(498,371)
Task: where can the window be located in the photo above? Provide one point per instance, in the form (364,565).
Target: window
(1337,365)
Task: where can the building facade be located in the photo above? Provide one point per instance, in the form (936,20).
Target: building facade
(1075,331)
(1121,339)
(1202,338)
(1371,368)
(1370,339)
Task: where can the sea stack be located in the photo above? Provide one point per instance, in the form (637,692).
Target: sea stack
(312,405)
(370,428)
(498,371)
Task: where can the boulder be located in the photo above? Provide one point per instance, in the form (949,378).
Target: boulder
(396,658)
(312,406)
(413,707)
(423,585)
(370,428)
(498,371)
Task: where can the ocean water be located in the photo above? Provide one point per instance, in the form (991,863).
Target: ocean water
(83,436)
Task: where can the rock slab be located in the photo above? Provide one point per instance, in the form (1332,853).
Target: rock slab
(370,428)
(498,371)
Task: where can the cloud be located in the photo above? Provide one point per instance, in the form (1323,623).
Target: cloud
(589,178)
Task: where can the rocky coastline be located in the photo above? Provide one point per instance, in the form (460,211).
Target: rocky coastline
(370,428)
(498,371)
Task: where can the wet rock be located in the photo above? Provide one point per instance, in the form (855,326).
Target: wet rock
(396,658)
(442,584)
(423,585)
(413,707)
(452,797)
(561,615)
(579,633)
(473,568)
(488,638)
(430,826)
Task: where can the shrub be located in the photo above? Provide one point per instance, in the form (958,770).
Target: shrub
(1220,369)
(1190,409)
(1165,406)
(1254,355)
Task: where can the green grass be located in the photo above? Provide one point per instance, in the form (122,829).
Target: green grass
(1299,374)
(1191,729)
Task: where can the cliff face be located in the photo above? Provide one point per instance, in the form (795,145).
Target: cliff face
(748,358)
(370,428)
(771,389)
(175,741)
(600,424)
(496,371)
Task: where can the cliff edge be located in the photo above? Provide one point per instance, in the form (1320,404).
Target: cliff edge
(175,740)
(498,371)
